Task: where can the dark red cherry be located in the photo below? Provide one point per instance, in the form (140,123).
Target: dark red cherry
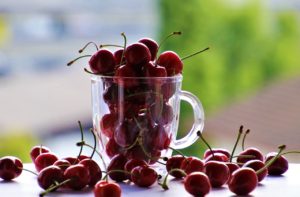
(197,184)
(82,157)
(243,181)
(112,148)
(126,133)
(132,163)
(152,46)
(152,70)
(107,189)
(257,165)
(62,164)
(137,54)
(217,172)
(117,163)
(174,163)
(102,62)
(10,167)
(94,170)
(49,176)
(168,90)
(171,61)
(217,157)
(280,165)
(192,164)
(156,138)
(252,152)
(118,56)
(72,160)
(208,152)
(125,76)
(44,160)
(161,113)
(79,176)
(143,176)
(108,124)
(111,94)
(232,167)
(37,150)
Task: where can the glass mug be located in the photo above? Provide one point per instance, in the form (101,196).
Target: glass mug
(138,116)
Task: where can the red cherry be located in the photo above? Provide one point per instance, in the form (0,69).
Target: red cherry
(168,90)
(157,138)
(62,164)
(143,176)
(10,167)
(94,170)
(107,189)
(217,157)
(162,113)
(174,163)
(72,160)
(151,70)
(192,164)
(44,160)
(112,148)
(118,56)
(126,133)
(152,46)
(243,181)
(102,62)
(208,152)
(108,124)
(132,163)
(217,172)
(232,167)
(37,150)
(252,152)
(257,165)
(82,157)
(111,94)
(171,61)
(125,76)
(49,176)
(117,163)
(79,176)
(137,54)
(197,184)
(280,165)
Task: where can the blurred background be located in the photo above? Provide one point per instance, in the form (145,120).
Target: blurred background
(250,76)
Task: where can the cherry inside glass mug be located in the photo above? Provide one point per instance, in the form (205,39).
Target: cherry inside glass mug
(138,116)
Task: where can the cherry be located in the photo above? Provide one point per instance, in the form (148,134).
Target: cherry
(192,164)
(115,168)
(49,176)
(94,170)
(126,133)
(112,148)
(10,167)
(37,150)
(152,70)
(217,157)
(174,163)
(44,160)
(143,176)
(254,152)
(108,124)
(217,172)
(62,164)
(171,61)
(152,46)
(197,184)
(78,175)
(72,160)
(118,56)
(162,113)
(82,157)
(111,94)
(125,76)
(232,167)
(279,166)
(257,165)
(208,152)
(168,90)
(132,163)
(137,54)
(243,181)
(107,189)
(102,62)
(156,138)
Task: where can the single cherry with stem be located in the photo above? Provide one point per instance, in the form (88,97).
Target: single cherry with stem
(280,165)
(192,164)
(86,45)
(152,46)
(236,142)
(104,189)
(217,172)
(174,163)
(257,165)
(44,160)
(115,169)
(132,163)
(50,176)
(10,167)
(197,184)
(37,150)
(248,154)
(143,176)
(78,175)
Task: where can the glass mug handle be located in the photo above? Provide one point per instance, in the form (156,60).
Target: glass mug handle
(198,125)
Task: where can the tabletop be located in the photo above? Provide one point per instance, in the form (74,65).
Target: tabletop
(286,185)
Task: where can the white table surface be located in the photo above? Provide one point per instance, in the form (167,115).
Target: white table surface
(287,185)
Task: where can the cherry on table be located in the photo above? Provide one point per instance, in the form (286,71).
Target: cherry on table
(197,184)
(49,176)
(44,160)
(102,62)
(117,163)
(10,167)
(78,175)
(152,46)
(232,167)
(132,163)
(217,172)
(192,164)
(251,152)
(174,163)
(62,164)
(280,165)
(224,151)
(143,176)
(37,150)
(257,165)
(217,157)
(94,170)
(107,189)
(171,61)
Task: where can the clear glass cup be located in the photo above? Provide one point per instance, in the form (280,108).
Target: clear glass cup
(138,117)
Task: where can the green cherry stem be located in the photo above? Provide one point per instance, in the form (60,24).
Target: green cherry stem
(167,37)
(52,188)
(125,44)
(193,54)
(28,171)
(82,140)
(290,152)
(236,142)
(74,60)
(177,151)
(164,184)
(244,138)
(87,44)
(205,142)
(95,143)
(110,45)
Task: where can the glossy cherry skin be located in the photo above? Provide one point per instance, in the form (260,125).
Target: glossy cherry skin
(37,150)
(197,184)
(117,163)
(132,163)
(151,70)
(44,160)
(10,167)
(161,114)
(125,76)
(192,164)
(82,157)
(217,157)
(107,189)
(156,138)
(243,181)
(152,46)
(232,167)
(79,176)
(217,172)
(174,163)
(62,164)
(102,62)
(49,176)
(126,133)
(257,165)
(208,152)
(171,61)
(112,148)
(137,54)
(118,57)
(72,160)
(94,171)
(280,165)
(143,176)
(250,151)
(108,123)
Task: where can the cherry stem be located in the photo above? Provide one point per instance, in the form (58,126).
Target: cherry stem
(40,150)
(28,171)
(110,45)
(74,60)
(177,151)
(82,140)
(281,148)
(236,142)
(125,43)
(52,188)
(87,44)
(95,143)
(205,142)
(289,152)
(243,156)
(244,138)
(193,54)
(164,185)
(167,37)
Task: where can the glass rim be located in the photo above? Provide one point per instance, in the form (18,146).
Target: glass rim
(177,77)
